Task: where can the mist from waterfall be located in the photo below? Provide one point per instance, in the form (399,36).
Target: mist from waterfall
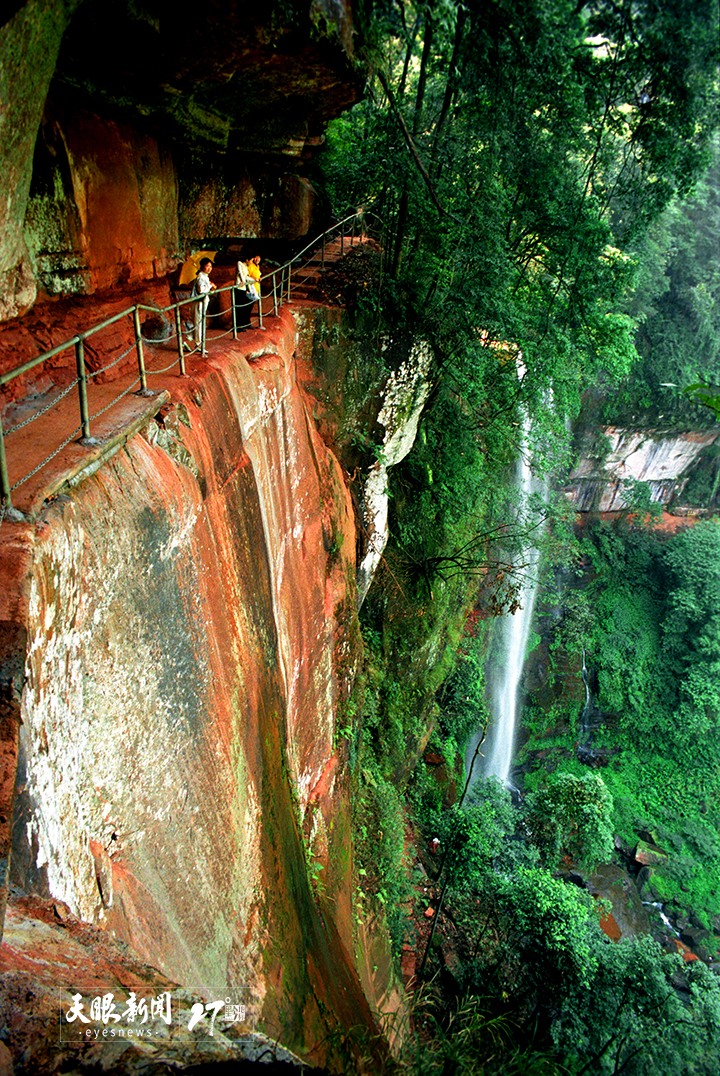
(507,656)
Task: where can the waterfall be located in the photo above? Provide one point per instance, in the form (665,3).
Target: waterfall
(508,656)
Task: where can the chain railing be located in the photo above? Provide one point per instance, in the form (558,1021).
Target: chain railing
(279,284)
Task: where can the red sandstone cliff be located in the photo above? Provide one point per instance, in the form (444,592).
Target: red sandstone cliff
(190,622)
(178,628)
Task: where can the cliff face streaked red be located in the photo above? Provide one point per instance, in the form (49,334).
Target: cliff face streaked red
(103,209)
(191,625)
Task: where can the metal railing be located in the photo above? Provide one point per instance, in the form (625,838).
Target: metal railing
(280,282)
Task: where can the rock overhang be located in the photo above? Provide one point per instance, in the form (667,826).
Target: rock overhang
(232,77)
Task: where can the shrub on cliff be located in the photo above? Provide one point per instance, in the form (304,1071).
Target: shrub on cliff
(571,817)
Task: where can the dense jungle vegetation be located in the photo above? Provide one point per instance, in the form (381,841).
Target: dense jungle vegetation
(649,614)
(545,179)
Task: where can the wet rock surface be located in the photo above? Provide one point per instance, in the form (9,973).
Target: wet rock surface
(191,625)
(48,955)
(627,917)
(612,459)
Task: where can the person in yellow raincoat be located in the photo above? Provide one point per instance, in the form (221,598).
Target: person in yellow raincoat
(254,274)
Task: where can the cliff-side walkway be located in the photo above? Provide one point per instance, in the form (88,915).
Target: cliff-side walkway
(44,450)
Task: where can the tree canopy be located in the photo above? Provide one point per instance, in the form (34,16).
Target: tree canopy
(514,154)
(676,304)
(512,150)
(572,816)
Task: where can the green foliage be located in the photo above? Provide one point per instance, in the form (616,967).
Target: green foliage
(508,157)
(677,305)
(704,394)
(635,1021)
(657,635)
(691,630)
(654,640)
(462,696)
(476,840)
(511,151)
(440,483)
(575,616)
(630,657)
(393,715)
(609,1007)
(514,152)
(551,927)
(472,1038)
(379,829)
(638,499)
(572,816)
(625,642)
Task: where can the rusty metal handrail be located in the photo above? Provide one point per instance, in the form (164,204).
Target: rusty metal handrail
(77,342)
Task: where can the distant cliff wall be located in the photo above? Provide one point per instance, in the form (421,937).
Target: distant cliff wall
(190,613)
(610,460)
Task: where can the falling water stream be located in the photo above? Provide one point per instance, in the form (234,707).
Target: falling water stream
(507,660)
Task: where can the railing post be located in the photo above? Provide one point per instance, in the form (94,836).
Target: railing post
(82,388)
(178,333)
(259,302)
(288,280)
(4,479)
(233,292)
(140,355)
(322,261)
(342,240)
(275,303)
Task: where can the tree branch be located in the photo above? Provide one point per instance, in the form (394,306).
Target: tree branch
(413,148)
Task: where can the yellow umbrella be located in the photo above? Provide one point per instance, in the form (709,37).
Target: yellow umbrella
(190,268)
